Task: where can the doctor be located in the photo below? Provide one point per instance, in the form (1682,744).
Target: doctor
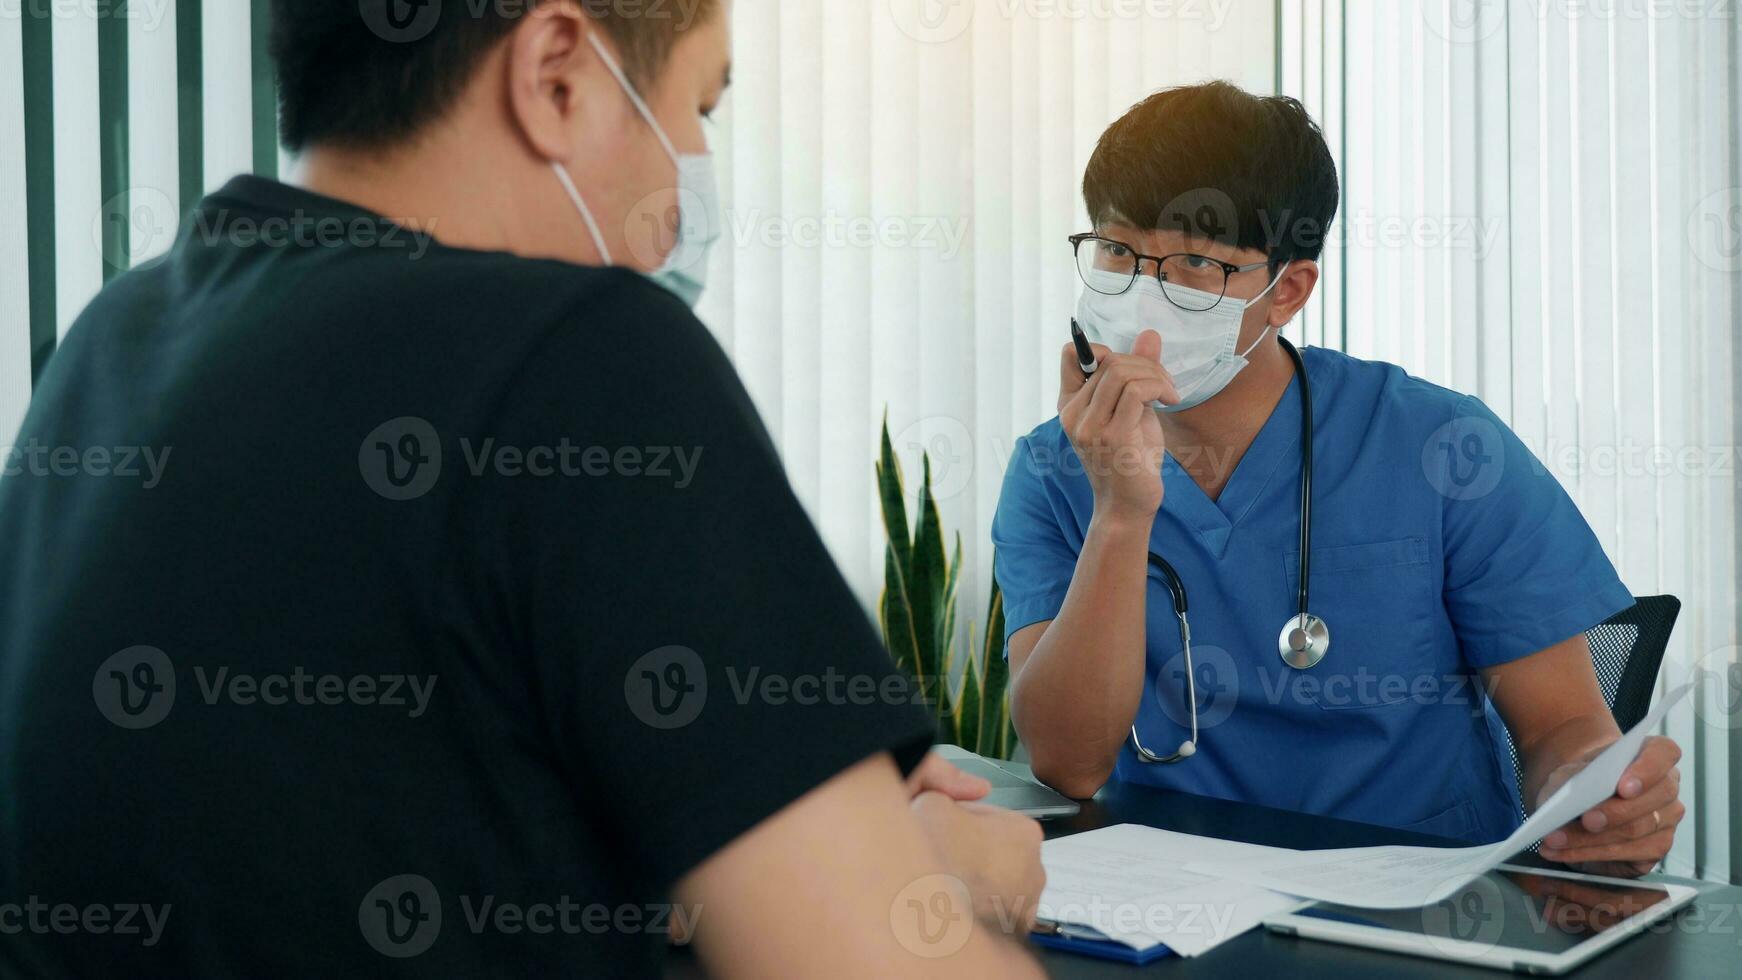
(1451,577)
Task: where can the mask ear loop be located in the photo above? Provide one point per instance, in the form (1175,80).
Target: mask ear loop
(1280,273)
(1255,343)
(635,99)
(634,96)
(562,174)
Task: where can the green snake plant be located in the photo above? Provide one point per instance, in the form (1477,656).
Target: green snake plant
(918,613)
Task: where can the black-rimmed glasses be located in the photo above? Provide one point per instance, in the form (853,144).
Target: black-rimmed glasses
(1191,282)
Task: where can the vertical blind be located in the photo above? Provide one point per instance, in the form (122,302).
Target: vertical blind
(117,116)
(952,139)
(1544,208)
(900,176)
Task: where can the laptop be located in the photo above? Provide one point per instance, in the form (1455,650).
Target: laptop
(1011,790)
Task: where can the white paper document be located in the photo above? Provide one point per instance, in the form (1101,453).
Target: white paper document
(1129,883)
(1410,877)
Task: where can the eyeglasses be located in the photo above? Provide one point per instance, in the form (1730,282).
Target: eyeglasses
(1192,282)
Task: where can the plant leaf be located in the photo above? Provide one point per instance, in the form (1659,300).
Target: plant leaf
(995,716)
(968,708)
(894,499)
(1007,741)
(927,575)
(945,627)
(945,696)
(897,614)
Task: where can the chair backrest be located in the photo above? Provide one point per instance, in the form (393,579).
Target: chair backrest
(1627,651)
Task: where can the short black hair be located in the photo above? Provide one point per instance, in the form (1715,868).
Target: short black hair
(369,73)
(1217,162)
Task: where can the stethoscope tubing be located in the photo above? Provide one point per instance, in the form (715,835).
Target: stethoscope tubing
(1302,621)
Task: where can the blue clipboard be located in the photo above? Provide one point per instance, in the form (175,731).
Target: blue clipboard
(1086,942)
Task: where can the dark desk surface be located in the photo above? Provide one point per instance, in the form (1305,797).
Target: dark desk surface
(1705,942)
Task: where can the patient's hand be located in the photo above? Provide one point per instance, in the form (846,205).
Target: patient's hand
(1628,834)
(935,774)
(996,853)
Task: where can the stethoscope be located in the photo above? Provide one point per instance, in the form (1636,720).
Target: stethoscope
(1305,638)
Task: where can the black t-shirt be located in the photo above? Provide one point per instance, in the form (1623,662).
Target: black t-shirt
(372,607)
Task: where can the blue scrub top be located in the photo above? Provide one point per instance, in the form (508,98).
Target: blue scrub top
(1440,546)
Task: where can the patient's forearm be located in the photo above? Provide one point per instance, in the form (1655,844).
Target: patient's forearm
(1075,696)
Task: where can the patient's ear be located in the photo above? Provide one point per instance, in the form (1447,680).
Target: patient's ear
(1293,291)
(554,81)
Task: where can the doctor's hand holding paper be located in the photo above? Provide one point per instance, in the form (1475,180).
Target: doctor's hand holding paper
(1632,831)
(1431,579)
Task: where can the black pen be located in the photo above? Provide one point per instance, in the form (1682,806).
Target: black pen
(1085,354)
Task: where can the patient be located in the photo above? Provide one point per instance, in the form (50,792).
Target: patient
(468,627)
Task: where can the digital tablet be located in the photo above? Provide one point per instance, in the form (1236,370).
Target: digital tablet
(1010,789)
(1527,920)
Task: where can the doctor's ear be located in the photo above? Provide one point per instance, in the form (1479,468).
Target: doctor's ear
(1293,291)
(554,79)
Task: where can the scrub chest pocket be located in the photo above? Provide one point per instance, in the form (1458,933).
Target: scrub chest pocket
(1380,602)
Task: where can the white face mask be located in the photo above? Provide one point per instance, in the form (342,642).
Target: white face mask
(685,271)
(1197,348)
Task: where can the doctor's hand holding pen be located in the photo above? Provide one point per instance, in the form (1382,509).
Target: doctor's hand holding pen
(1077,679)
(1104,406)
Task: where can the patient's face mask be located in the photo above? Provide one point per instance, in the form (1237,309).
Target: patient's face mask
(1197,348)
(685,271)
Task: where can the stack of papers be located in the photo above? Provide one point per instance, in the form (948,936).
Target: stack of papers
(1411,877)
(1145,887)
(1130,884)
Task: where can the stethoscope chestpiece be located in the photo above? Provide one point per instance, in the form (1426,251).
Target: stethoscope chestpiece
(1304,641)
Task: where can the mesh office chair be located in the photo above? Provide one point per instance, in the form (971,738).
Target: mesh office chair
(1627,651)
